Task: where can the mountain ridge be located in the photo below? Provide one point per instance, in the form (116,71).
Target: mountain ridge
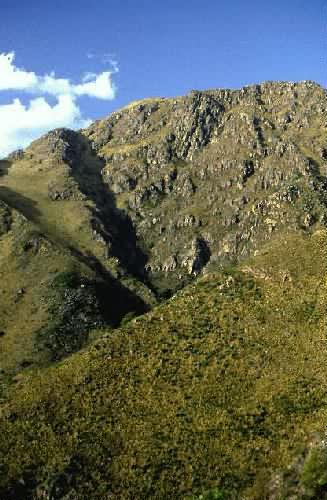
(166,189)
(164,270)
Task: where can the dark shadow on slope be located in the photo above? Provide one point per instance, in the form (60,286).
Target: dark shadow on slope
(315,170)
(4,167)
(115,299)
(21,203)
(80,304)
(114,225)
(319,181)
(22,489)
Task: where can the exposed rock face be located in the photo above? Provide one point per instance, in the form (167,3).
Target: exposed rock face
(240,164)
(198,256)
(62,144)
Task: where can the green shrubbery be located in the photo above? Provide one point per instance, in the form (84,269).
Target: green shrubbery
(214,494)
(74,310)
(66,279)
(217,386)
(314,473)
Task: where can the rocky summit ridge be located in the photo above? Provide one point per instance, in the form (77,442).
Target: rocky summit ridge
(210,211)
(208,177)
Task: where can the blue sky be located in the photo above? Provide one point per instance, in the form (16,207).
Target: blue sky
(163,48)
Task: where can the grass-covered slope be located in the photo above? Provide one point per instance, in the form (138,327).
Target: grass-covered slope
(51,228)
(50,298)
(221,391)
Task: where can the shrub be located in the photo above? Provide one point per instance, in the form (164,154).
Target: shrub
(66,279)
(314,473)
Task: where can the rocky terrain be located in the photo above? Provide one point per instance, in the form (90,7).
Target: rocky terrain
(205,179)
(208,213)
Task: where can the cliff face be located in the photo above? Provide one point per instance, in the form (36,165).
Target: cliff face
(201,178)
(205,179)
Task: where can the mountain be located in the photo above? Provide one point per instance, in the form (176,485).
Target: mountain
(197,226)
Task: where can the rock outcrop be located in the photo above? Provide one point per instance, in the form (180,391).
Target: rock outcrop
(241,163)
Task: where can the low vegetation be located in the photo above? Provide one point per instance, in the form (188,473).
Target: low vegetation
(209,403)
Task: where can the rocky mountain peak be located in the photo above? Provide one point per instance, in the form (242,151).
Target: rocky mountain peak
(225,167)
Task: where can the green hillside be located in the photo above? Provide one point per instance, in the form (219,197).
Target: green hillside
(221,388)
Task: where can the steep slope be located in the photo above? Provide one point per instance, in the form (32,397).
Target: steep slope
(58,280)
(211,175)
(221,389)
(165,189)
(51,298)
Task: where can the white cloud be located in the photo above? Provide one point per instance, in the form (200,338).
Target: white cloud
(13,78)
(20,124)
(99,86)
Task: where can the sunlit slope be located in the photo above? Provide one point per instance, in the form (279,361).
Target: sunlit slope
(222,388)
(208,177)
(50,230)
(51,297)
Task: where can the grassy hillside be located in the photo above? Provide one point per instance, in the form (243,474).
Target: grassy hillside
(43,239)
(219,392)
(48,292)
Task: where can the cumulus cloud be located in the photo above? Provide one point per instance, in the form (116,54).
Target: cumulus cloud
(13,78)
(20,124)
